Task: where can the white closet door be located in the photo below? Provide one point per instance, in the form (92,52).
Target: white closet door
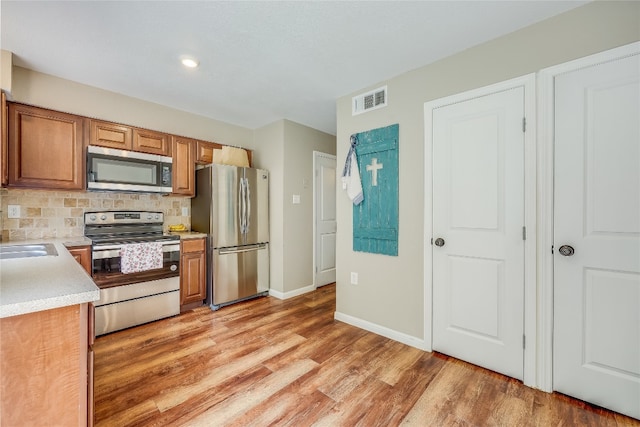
(596,354)
(478,213)
(325,214)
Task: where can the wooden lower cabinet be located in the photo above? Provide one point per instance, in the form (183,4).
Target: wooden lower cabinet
(82,254)
(193,269)
(46,365)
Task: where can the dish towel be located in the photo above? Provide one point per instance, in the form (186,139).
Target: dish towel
(351,174)
(135,257)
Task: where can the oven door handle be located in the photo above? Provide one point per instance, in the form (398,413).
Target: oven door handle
(114,251)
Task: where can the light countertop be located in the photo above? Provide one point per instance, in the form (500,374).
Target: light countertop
(188,234)
(42,283)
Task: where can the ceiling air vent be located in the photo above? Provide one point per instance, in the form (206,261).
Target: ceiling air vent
(369,101)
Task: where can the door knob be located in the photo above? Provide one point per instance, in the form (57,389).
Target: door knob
(439,241)
(566,250)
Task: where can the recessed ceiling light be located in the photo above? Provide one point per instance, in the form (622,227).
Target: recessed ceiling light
(189,62)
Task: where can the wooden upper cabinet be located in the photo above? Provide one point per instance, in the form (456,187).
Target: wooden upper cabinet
(4,142)
(45,148)
(152,142)
(204,151)
(184,166)
(110,135)
(114,135)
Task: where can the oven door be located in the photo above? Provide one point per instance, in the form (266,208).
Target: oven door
(106,268)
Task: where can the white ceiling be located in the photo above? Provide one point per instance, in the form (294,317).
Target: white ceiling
(260,61)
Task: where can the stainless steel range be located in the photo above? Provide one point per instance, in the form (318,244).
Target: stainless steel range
(136,267)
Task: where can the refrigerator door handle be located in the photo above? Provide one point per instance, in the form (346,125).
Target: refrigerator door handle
(241,205)
(248,248)
(248,198)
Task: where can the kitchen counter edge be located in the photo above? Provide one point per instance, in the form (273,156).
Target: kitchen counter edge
(29,285)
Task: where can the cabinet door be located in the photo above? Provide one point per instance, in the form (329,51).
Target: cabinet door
(184,166)
(204,151)
(82,254)
(45,149)
(152,142)
(4,171)
(110,135)
(43,360)
(192,271)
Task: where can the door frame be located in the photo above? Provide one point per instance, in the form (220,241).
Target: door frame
(528,82)
(545,171)
(316,155)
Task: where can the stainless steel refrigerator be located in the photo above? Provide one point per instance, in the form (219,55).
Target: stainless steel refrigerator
(232,207)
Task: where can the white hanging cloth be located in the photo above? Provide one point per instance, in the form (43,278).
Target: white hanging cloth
(351,174)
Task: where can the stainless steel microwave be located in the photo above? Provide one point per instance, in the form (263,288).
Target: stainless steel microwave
(130,171)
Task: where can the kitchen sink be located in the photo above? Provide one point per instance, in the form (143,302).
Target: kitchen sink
(27,251)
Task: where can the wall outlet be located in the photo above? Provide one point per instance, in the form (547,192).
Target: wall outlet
(296,199)
(185,211)
(13,211)
(354,278)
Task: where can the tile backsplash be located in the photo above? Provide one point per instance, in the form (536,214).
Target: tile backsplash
(48,214)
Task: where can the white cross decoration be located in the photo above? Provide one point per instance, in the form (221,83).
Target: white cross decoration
(373,168)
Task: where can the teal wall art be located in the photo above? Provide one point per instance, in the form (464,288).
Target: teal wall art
(375,219)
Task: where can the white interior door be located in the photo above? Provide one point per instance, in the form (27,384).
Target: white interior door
(596,354)
(478,212)
(325,218)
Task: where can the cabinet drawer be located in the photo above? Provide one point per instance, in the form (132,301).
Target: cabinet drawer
(193,245)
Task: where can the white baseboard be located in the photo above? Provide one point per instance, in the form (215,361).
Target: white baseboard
(381,330)
(291,294)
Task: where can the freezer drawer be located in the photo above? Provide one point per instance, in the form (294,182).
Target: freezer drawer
(238,273)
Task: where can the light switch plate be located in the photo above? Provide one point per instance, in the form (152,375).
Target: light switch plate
(185,211)
(296,199)
(13,211)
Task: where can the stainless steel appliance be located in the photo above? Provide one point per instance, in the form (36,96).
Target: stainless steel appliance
(122,170)
(232,207)
(131,298)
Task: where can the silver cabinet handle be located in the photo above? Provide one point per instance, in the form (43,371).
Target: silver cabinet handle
(439,242)
(566,250)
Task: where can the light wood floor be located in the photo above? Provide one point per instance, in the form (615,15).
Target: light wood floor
(289,363)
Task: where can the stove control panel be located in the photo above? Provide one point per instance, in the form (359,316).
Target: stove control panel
(123,217)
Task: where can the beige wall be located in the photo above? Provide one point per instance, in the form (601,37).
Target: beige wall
(286,149)
(299,144)
(6,70)
(43,90)
(390,289)
(268,146)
